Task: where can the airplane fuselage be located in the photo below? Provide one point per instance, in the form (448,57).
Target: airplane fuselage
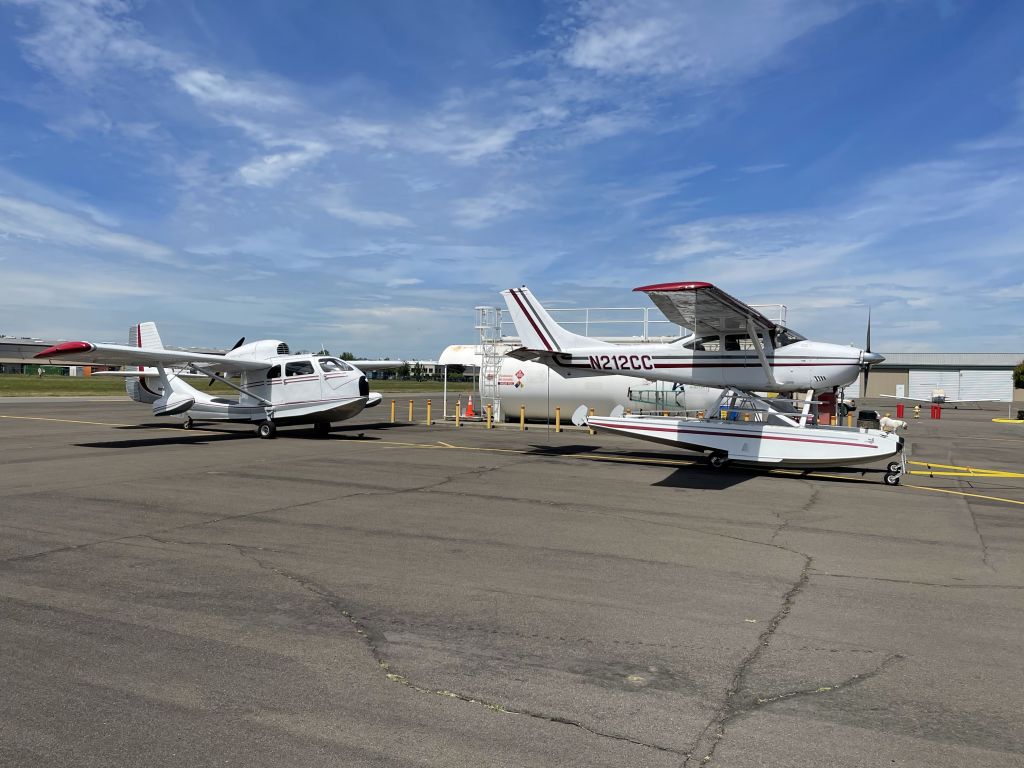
(798,366)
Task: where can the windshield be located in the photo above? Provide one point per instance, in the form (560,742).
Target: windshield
(783,337)
(331,364)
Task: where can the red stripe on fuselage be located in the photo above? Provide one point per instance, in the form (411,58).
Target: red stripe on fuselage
(678,431)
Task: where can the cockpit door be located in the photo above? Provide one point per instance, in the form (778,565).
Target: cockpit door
(301,382)
(337,373)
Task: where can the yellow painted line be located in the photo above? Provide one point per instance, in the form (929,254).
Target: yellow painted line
(94,423)
(446,445)
(952,470)
(1008,421)
(964,493)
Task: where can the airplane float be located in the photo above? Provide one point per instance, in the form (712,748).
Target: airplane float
(733,347)
(275,387)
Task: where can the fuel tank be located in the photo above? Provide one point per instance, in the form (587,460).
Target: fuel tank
(542,389)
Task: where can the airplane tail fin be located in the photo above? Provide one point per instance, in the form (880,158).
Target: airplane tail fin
(537,329)
(144,389)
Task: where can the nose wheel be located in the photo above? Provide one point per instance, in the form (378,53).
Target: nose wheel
(187,423)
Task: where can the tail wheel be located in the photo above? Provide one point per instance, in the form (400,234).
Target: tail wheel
(187,423)
(718,460)
(266,430)
(891,478)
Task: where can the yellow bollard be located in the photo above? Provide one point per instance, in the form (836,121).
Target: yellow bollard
(629,411)
(833,420)
(558,419)
(664,413)
(392,411)
(429,422)
(522,418)
(590,428)
(410,410)
(746,416)
(458,413)
(849,419)
(490,414)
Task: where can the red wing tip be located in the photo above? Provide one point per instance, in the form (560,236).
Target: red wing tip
(66,348)
(692,286)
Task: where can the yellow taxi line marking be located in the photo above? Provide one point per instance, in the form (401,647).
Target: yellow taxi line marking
(93,423)
(958,471)
(964,493)
(446,445)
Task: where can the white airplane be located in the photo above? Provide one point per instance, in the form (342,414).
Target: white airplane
(275,387)
(733,347)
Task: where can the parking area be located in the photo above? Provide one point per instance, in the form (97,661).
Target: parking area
(403,594)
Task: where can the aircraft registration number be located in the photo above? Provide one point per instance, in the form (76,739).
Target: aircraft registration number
(622,362)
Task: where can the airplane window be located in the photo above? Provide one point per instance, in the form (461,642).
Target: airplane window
(785,337)
(330,364)
(738,342)
(274,372)
(299,368)
(703,344)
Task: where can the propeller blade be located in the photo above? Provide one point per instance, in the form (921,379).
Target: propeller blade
(241,341)
(867,347)
(864,391)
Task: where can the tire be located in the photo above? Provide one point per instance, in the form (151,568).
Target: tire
(267,430)
(718,460)
(894,468)
(187,423)
(891,478)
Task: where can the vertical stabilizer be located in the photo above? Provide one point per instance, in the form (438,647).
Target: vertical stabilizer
(537,329)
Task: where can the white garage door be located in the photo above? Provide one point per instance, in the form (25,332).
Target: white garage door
(853,390)
(986,385)
(923,382)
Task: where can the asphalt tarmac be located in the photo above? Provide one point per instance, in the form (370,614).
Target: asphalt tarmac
(405,595)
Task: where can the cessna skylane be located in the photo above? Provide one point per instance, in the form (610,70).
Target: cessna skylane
(733,347)
(274,386)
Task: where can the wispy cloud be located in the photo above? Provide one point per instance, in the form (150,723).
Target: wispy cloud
(23,219)
(339,207)
(698,43)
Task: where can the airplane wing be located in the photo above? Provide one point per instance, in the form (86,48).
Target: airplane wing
(944,400)
(87,352)
(704,309)
(377,365)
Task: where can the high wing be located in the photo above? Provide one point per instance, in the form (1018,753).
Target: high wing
(705,309)
(118,354)
(377,365)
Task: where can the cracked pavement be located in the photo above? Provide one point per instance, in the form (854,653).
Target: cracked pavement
(210,598)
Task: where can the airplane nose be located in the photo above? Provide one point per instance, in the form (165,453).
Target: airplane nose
(871,358)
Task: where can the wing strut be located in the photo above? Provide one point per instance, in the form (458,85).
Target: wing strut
(223,380)
(759,348)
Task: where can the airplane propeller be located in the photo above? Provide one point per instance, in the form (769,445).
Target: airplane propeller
(238,343)
(868,358)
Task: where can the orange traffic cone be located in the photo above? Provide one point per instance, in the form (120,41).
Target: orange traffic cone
(469,408)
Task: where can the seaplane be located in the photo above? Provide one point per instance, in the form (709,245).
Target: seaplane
(733,347)
(274,386)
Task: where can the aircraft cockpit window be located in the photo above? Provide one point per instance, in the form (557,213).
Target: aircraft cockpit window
(332,365)
(704,344)
(274,372)
(783,337)
(738,342)
(298,368)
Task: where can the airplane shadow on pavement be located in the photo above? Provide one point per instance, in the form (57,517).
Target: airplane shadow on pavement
(206,435)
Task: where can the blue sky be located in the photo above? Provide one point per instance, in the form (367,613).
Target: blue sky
(364,174)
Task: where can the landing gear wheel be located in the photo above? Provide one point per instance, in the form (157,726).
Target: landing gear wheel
(718,460)
(266,430)
(894,467)
(321,429)
(891,478)
(187,423)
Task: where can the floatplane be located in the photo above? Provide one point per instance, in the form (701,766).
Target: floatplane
(737,349)
(274,386)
